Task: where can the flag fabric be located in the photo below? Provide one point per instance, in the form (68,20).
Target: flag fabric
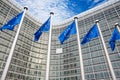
(37,36)
(44,28)
(13,22)
(70,30)
(115,36)
(92,33)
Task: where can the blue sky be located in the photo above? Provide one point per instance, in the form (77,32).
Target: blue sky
(63,9)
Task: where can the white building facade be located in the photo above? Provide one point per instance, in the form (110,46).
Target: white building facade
(30,58)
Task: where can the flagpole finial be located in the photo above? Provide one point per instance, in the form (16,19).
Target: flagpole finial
(26,8)
(75,17)
(52,13)
(96,21)
(116,24)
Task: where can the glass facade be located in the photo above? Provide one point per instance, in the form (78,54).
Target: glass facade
(30,58)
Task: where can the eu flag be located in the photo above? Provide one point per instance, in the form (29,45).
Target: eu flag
(92,33)
(44,28)
(115,36)
(70,30)
(13,22)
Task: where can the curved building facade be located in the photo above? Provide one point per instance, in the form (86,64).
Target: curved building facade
(29,59)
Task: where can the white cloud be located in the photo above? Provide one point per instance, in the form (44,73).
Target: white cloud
(96,1)
(42,8)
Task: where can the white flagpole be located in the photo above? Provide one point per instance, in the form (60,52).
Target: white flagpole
(80,51)
(117,25)
(12,48)
(49,49)
(106,53)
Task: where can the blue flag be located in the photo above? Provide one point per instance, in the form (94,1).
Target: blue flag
(115,36)
(13,22)
(37,35)
(92,33)
(44,28)
(70,30)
